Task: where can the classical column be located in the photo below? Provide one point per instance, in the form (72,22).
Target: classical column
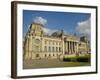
(70,47)
(73,47)
(63,47)
(66,46)
(76,47)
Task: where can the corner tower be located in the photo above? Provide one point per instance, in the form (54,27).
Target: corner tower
(33,43)
(36,29)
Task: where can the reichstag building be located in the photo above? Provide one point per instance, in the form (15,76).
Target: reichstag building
(38,45)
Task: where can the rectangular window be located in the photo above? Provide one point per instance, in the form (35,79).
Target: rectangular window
(56,43)
(49,42)
(45,48)
(52,49)
(45,55)
(45,42)
(56,49)
(59,49)
(49,49)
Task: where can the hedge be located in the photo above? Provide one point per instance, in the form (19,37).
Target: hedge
(77,58)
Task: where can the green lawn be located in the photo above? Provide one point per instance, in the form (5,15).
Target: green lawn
(51,63)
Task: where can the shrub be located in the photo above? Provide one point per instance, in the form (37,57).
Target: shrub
(83,59)
(66,59)
(70,59)
(77,58)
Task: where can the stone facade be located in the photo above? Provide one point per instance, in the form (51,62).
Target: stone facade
(38,45)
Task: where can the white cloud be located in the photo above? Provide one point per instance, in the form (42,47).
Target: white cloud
(43,21)
(40,20)
(84,28)
(48,31)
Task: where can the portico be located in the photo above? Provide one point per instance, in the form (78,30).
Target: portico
(71,45)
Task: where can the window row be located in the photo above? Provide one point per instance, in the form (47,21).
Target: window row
(52,49)
(47,55)
(52,42)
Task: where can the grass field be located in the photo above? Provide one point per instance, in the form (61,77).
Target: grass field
(51,63)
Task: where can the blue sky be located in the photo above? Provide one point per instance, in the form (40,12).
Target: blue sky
(66,21)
